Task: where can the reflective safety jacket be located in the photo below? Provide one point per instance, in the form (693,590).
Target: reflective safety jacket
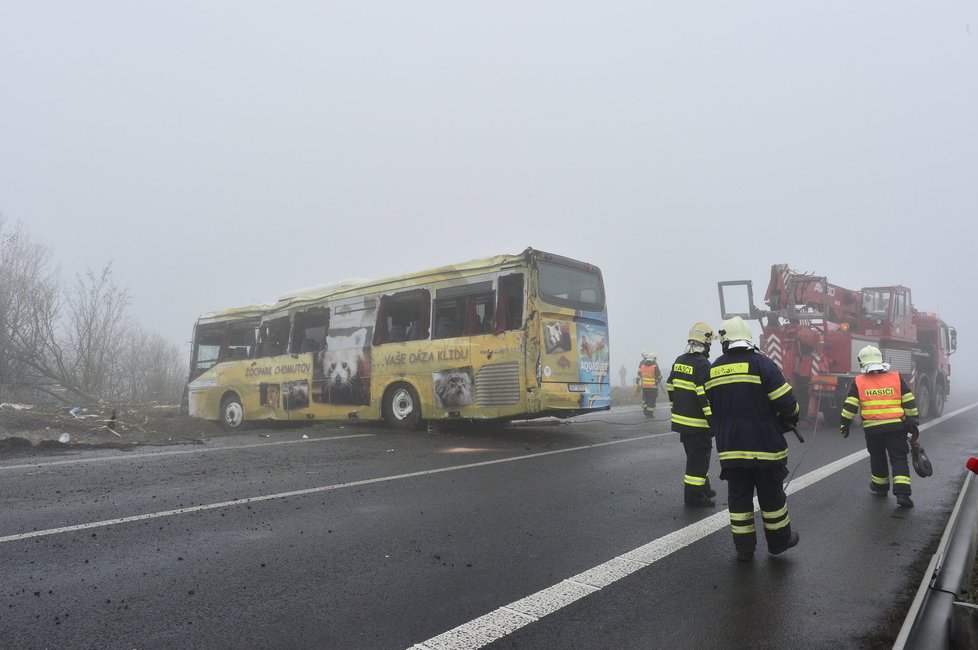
(883,398)
(687,393)
(649,374)
(748,395)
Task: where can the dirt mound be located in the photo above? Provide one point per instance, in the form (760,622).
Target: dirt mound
(24,426)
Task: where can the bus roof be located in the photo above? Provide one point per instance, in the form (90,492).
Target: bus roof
(446,272)
(233,313)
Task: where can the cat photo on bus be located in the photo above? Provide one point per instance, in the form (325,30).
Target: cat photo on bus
(453,387)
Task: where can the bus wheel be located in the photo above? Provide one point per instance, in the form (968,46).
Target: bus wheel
(232,413)
(401,407)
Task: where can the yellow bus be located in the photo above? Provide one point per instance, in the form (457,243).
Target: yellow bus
(500,338)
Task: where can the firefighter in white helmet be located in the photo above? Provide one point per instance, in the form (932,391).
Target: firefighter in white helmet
(753,407)
(889,412)
(691,414)
(649,377)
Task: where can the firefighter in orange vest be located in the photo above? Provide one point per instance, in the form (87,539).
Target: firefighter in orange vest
(889,412)
(649,377)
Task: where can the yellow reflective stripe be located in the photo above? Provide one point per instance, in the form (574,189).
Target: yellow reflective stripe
(875,423)
(911,412)
(733,379)
(742,530)
(690,422)
(873,403)
(669,386)
(777,525)
(707,410)
(778,392)
(753,455)
(700,390)
(880,480)
(908,397)
(853,400)
(685,385)
(883,411)
(847,415)
(902,480)
(795,410)
(694,480)
(742,516)
(777,513)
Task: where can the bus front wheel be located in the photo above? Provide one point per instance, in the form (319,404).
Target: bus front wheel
(402,409)
(232,413)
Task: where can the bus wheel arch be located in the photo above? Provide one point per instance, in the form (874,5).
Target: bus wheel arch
(400,406)
(231,415)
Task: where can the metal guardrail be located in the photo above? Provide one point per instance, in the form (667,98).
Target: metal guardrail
(937,617)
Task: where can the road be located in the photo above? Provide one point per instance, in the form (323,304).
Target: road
(539,535)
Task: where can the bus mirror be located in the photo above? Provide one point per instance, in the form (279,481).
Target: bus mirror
(954,340)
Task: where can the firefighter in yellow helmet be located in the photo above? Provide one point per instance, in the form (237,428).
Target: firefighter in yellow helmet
(753,407)
(889,412)
(649,377)
(691,414)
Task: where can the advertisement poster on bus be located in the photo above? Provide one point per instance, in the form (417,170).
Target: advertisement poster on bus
(594,359)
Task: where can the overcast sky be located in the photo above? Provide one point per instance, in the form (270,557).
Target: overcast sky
(222,153)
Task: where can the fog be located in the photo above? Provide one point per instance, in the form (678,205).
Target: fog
(223,153)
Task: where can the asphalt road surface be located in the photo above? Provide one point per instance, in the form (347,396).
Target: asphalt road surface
(539,535)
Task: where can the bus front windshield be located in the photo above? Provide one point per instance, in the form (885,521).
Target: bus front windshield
(571,287)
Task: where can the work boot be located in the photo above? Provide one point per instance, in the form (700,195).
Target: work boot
(878,490)
(904,501)
(709,492)
(745,554)
(792,542)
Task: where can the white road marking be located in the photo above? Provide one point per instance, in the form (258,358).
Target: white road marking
(493,626)
(315,490)
(162,454)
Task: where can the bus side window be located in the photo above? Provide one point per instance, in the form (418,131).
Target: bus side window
(274,337)
(403,316)
(509,307)
(309,330)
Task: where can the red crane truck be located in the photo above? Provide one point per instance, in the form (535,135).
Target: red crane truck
(813,330)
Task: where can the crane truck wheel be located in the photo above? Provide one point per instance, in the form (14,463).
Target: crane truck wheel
(939,399)
(922,395)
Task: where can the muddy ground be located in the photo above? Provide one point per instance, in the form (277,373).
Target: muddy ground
(46,427)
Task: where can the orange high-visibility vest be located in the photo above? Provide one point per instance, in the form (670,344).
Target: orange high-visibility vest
(648,375)
(880,398)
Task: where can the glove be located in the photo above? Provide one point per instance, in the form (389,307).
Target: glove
(914,434)
(787,422)
(844,430)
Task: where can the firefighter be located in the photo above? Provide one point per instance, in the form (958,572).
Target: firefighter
(691,414)
(649,377)
(753,407)
(889,413)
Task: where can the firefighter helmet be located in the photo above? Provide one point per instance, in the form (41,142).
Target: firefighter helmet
(735,329)
(648,356)
(869,354)
(701,333)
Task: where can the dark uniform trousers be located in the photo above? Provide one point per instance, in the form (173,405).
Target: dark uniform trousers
(741,483)
(698,447)
(894,444)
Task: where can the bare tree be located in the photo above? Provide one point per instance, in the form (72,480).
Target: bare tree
(74,344)
(29,304)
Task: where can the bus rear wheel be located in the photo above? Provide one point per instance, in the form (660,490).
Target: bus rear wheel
(401,407)
(231,416)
